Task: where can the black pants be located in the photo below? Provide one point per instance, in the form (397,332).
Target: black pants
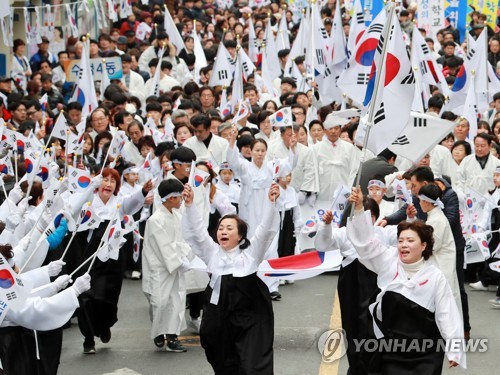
(463,293)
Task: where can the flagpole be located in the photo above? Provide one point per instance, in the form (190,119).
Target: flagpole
(15,164)
(73,234)
(107,153)
(378,80)
(93,256)
(106,233)
(66,154)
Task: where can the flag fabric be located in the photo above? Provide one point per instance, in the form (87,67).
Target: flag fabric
(13,290)
(494,266)
(129,224)
(421,133)
(482,244)
(237,92)
(71,21)
(9,137)
(471,208)
(31,161)
(137,243)
(310,226)
(112,239)
(24,143)
(75,144)
(301,266)
(340,197)
(247,66)
(201,60)
(354,80)
(197,177)
(392,103)
(401,192)
(317,57)
(243,111)
(470,112)
(105,82)
(282,117)
(222,73)
(276,169)
(225,108)
(282,39)
(270,53)
(155,87)
(173,33)
(299,44)
(85,91)
(78,179)
(6,166)
(112,14)
(357,28)
(44,170)
(88,219)
(60,127)
(253,47)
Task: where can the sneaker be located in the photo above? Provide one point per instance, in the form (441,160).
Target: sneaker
(282,282)
(175,346)
(160,341)
(290,282)
(194,324)
(275,296)
(136,275)
(89,347)
(106,335)
(495,303)
(478,286)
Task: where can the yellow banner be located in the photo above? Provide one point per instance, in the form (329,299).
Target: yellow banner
(489,8)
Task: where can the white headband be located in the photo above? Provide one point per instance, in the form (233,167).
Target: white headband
(181,162)
(377,183)
(436,202)
(174,194)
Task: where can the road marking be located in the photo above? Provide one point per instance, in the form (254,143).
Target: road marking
(335,322)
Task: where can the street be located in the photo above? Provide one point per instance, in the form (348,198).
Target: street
(303,314)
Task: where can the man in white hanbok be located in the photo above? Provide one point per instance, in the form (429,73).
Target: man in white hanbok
(164,262)
(335,158)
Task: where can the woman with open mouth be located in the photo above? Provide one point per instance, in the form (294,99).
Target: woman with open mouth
(415,303)
(237,327)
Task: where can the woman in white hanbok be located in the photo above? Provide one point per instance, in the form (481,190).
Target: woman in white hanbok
(256,177)
(415,302)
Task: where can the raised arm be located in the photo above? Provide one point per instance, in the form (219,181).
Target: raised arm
(267,229)
(372,253)
(135,201)
(193,229)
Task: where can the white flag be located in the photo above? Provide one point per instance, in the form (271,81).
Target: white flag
(78,179)
(421,133)
(282,117)
(201,60)
(173,33)
(270,52)
(222,73)
(85,90)
(155,87)
(60,127)
(13,290)
(282,40)
(71,21)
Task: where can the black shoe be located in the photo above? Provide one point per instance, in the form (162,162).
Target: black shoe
(275,296)
(160,341)
(175,346)
(89,347)
(106,335)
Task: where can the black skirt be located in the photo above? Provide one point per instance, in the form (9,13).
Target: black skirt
(238,333)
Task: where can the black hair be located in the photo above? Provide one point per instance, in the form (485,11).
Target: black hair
(431,191)
(422,174)
(242,227)
(169,186)
(183,154)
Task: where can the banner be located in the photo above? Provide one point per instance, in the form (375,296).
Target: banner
(456,13)
(113,68)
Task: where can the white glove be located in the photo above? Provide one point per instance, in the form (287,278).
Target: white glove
(62,282)
(44,220)
(55,267)
(23,206)
(54,170)
(82,284)
(301,197)
(16,194)
(185,266)
(311,200)
(96,181)
(12,221)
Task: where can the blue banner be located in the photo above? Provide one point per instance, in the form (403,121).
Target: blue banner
(373,7)
(456,13)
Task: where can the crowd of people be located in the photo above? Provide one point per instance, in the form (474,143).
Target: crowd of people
(172,177)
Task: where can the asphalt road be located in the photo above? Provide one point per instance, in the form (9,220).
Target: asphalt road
(304,313)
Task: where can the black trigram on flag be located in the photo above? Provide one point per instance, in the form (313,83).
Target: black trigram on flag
(327,72)
(363,78)
(471,53)
(423,67)
(324,34)
(10,296)
(380,44)
(74,173)
(19,281)
(401,141)
(360,18)
(380,114)
(376,28)
(2,262)
(425,48)
(419,122)
(244,67)
(223,75)
(320,56)
(409,79)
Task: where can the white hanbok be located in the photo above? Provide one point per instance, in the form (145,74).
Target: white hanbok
(163,282)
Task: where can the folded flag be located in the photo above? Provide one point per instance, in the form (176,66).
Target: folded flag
(78,179)
(282,117)
(13,290)
(301,266)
